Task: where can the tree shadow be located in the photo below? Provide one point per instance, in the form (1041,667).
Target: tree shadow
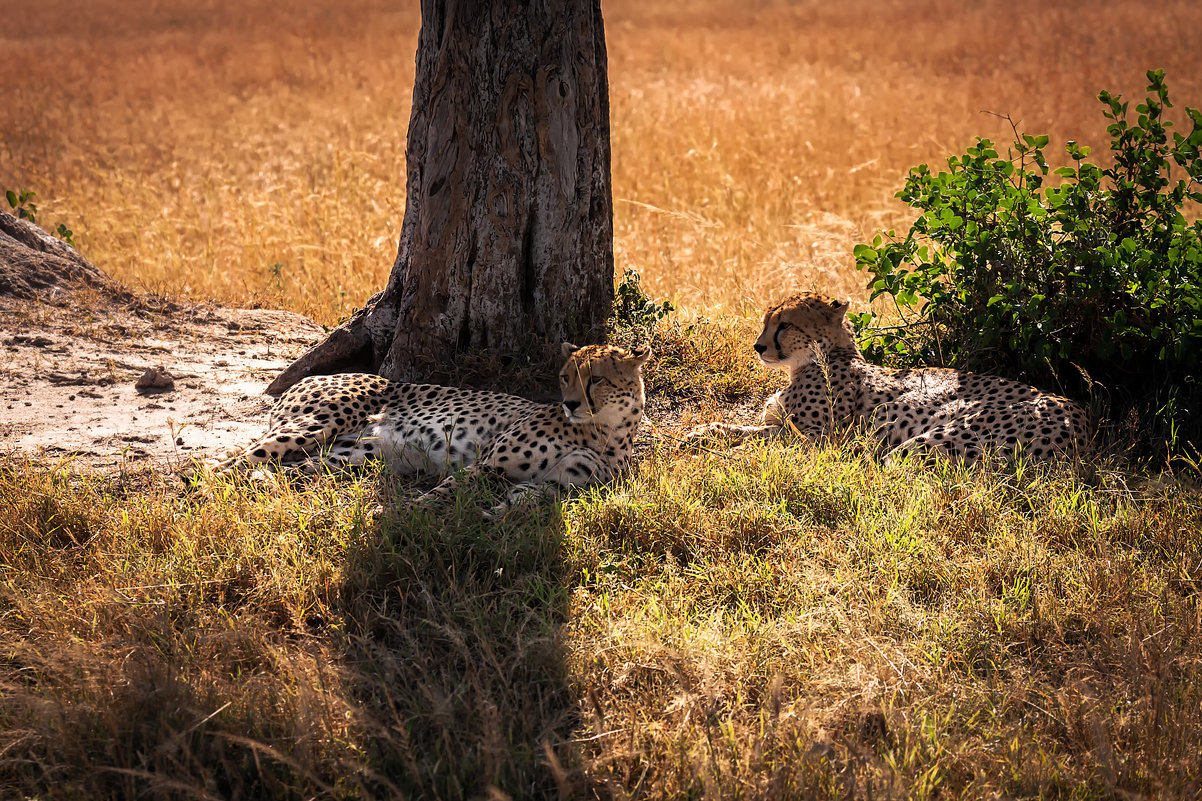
(279,642)
(453,652)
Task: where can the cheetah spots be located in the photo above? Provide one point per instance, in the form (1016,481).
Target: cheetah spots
(939,410)
(427,428)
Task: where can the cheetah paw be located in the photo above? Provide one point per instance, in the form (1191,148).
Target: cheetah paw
(704,436)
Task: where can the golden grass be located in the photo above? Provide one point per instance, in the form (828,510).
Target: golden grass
(794,623)
(226,149)
(783,622)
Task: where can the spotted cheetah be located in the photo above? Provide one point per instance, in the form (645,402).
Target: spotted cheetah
(931,411)
(425,429)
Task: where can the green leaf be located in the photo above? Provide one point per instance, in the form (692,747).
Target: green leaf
(864,254)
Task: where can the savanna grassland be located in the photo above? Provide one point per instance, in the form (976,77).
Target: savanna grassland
(227,149)
(786,620)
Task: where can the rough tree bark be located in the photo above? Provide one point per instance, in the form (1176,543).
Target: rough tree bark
(507,238)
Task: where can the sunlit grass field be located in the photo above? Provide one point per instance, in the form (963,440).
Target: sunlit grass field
(228,149)
(783,621)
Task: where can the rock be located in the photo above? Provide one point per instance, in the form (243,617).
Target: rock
(32,262)
(155,378)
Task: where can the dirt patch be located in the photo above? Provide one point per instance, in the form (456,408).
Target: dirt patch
(70,367)
(70,364)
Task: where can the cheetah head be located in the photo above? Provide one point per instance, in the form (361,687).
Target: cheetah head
(797,325)
(602,384)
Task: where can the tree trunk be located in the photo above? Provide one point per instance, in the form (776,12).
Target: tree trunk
(507,239)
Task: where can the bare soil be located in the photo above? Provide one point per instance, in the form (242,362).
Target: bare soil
(71,359)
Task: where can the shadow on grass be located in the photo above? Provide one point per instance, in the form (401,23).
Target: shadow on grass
(451,642)
(247,641)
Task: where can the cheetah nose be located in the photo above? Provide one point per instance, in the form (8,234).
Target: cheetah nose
(760,348)
(571,406)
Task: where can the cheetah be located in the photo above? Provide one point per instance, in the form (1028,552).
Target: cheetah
(929,411)
(537,449)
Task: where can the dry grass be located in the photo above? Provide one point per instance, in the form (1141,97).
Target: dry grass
(799,624)
(225,149)
(781,622)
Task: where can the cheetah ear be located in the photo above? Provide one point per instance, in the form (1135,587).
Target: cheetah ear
(641,356)
(839,306)
(567,349)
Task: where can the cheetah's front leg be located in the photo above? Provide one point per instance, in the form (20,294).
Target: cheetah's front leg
(443,491)
(577,468)
(773,418)
(524,492)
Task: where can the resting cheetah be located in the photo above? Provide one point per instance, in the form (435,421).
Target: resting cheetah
(349,418)
(932,411)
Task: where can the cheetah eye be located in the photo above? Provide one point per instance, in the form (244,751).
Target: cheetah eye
(597,379)
(563,378)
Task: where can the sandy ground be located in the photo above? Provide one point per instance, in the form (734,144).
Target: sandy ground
(69,365)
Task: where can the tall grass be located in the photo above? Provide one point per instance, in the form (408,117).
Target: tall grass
(777,622)
(226,149)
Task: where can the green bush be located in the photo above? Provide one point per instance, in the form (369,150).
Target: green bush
(1090,284)
(633,308)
